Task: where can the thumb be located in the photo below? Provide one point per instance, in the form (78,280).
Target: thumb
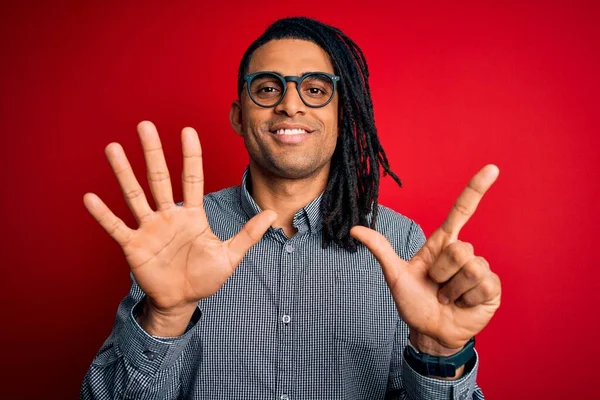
(382,250)
(250,234)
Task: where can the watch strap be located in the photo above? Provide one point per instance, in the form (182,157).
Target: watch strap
(445,367)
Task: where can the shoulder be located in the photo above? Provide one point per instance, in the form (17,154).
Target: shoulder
(405,235)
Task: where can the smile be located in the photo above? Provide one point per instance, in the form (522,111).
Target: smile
(290,132)
(290,136)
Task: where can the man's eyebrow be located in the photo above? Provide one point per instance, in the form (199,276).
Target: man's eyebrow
(266,72)
(282,74)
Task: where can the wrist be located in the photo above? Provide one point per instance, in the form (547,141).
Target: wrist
(426,344)
(430,358)
(162,323)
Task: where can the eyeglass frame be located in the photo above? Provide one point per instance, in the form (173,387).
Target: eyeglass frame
(291,78)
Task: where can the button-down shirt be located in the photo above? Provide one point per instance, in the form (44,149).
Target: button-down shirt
(294,322)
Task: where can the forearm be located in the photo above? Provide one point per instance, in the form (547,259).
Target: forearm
(134,364)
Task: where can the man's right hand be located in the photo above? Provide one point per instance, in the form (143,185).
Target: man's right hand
(174,256)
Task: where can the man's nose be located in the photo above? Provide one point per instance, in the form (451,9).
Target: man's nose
(291,104)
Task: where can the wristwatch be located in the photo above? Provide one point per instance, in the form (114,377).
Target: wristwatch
(444,367)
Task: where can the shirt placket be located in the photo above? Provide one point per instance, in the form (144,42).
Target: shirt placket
(288,271)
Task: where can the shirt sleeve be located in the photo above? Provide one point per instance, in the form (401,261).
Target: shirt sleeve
(404,382)
(131,364)
(418,386)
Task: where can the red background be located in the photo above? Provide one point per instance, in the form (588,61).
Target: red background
(455,86)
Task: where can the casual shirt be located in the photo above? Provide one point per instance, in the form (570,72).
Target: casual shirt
(294,322)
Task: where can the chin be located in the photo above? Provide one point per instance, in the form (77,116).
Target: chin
(292,170)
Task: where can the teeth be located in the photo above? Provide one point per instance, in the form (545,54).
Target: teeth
(290,131)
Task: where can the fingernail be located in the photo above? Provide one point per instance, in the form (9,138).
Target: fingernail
(444,299)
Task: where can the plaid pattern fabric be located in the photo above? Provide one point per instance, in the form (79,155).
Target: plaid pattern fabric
(294,322)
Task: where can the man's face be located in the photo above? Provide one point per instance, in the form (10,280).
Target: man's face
(284,155)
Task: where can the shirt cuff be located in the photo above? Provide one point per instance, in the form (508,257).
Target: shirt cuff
(148,353)
(418,386)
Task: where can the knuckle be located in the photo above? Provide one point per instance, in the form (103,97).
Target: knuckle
(457,252)
(158,176)
(250,232)
(145,217)
(497,284)
(469,248)
(467,301)
(113,228)
(436,275)
(462,208)
(484,264)
(164,204)
(193,179)
(487,287)
(428,254)
(471,272)
(133,193)
(498,281)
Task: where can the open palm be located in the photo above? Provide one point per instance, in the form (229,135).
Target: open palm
(174,256)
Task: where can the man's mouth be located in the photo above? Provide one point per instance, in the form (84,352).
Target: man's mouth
(290,132)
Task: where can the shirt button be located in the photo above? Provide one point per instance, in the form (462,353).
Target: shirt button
(286,319)
(289,248)
(149,355)
(284,397)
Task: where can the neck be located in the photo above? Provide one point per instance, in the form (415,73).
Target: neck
(285,196)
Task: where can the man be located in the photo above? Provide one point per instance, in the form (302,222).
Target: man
(262,291)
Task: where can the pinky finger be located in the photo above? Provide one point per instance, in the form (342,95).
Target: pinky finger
(115,227)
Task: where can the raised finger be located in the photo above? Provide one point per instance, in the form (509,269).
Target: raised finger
(132,191)
(467,202)
(115,227)
(158,173)
(450,261)
(193,173)
(250,234)
(469,276)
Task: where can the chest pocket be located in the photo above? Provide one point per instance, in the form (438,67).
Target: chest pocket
(366,314)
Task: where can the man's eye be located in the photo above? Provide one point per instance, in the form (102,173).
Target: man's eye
(315,91)
(266,90)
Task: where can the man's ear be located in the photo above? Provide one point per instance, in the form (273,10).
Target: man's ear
(235,117)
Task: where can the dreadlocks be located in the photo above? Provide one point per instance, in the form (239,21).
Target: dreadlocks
(353,185)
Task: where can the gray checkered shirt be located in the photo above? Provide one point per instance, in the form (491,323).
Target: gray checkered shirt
(294,322)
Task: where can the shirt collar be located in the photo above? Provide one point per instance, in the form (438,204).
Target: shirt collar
(307,219)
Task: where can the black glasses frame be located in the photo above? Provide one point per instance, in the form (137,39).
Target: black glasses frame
(284,80)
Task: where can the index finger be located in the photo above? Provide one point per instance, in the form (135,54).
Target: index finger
(466,204)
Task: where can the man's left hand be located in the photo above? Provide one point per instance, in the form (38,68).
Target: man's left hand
(445,293)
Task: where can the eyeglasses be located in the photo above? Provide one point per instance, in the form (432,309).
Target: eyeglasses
(267,89)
